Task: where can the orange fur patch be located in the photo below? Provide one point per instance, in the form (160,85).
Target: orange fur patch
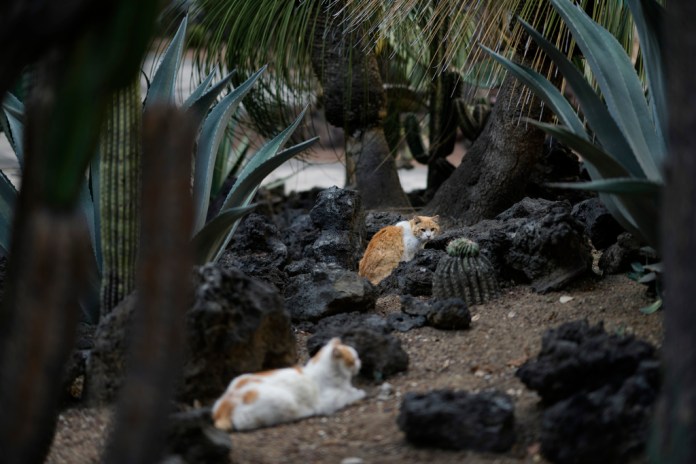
(298,369)
(347,356)
(382,255)
(222,415)
(250,396)
(246,381)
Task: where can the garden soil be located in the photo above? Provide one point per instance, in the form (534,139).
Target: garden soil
(504,333)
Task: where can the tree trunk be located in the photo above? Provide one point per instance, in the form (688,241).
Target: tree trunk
(495,170)
(674,439)
(354,99)
(164,289)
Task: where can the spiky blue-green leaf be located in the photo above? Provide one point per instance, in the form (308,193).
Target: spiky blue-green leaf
(620,86)
(208,142)
(164,81)
(210,238)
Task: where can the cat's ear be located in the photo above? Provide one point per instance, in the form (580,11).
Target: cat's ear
(336,353)
(416,219)
(435,218)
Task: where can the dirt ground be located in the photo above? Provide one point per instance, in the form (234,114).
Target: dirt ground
(504,333)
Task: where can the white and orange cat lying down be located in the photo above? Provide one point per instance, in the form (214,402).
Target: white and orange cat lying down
(320,387)
(393,244)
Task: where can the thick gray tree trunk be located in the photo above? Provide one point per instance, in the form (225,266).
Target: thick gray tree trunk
(675,424)
(495,170)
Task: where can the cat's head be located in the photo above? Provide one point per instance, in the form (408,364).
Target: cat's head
(425,227)
(342,357)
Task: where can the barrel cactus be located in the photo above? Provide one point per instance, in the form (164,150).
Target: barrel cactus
(464,273)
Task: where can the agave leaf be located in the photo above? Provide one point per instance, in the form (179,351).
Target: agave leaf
(648,16)
(210,238)
(14,129)
(245,188)
(208,142)
(544,90)
(625,185)
(598,117)
(95,181)
(199,106)
(240,191)
(641,213)
(8,198)
(198,91)
(602,162)
(619,83)
(163,82)
(14,106)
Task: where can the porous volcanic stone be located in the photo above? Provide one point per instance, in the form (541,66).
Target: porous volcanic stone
(404,322)
(414,277)
(340,218)
(577,357)
(376,220)
(192,438)
(380,352)
(449,314)
(600,226)
(326,291)
(458,420)
(618,257)
(299,237)
(258,251)
(237,324)
(535,241)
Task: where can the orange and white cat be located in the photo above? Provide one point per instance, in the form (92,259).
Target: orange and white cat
(396,243)
(322,386)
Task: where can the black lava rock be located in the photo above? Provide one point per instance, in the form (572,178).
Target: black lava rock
(449,314)
(339,216)
(618,257)
(458,420)
(604,425)
(237,324)
(326,291)
(192,438)
(577,357)
(404,322)
(600,226)
(414,277)
(380,352)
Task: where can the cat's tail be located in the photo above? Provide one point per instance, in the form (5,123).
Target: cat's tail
(222,413)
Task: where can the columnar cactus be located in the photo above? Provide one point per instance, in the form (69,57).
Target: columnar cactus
(465,274)
(119,194)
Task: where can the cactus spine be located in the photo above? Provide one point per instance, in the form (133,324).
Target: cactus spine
(464,273)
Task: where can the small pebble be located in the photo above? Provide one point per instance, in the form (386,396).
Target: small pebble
(565,298)
(385,391)
(352,460)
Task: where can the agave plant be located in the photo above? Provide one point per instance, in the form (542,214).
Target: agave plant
(210,239)
(625,149)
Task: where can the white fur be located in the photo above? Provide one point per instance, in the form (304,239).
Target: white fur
(322,386)
(412,243)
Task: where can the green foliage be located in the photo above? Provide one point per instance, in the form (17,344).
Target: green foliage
(626,148)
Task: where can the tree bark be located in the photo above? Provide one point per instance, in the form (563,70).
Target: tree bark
(495,170)
(674,438)
(354,99)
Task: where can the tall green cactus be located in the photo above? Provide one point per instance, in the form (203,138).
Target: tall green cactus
(465,274)
(119,172)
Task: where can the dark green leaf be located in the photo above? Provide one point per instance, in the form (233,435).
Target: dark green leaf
(199,107)
(627,185)
(198,91)
(14,129)
(8,198)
